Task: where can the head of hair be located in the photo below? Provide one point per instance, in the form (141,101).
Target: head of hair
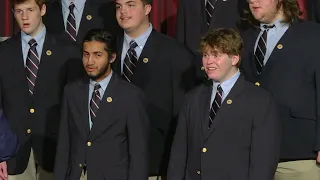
(102,36)
(223,40)
(40,3)
(146,2)
(289,8)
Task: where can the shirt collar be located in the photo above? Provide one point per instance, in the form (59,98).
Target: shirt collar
(141,40)
(39,37)
(277,24)
(227,84)
(79,4)
(104,83)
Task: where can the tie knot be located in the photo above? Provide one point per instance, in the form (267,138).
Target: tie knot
(97,86)
(267,27)
(32,43)
(219,89)
(71,7)
(133,44)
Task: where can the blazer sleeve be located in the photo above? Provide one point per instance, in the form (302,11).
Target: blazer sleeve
(178,156)
(180,28)
(265,141)
(8,140)
(316,64)
(62,157)
(317,10)
(138,126)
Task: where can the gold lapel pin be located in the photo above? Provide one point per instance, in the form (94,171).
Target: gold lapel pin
(145,60)
(89,17)
(109,99)
(202,68)
(280,46)
(48,52)
(229,101)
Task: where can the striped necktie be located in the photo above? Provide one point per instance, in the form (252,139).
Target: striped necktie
(71,29)
(32,65)
(95,102)
(209,10)
(130,62)
(261,49)
(215,105)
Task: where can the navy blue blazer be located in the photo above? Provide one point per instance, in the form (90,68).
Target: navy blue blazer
(8,140)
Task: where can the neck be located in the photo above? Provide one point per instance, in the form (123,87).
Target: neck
(232,72)
(37,31)
(107,73)
(137,32)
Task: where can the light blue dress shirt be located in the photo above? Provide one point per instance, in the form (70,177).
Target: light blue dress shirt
(25,38)
(274,35)
(104,84)
(225,85)
(141,41)
(78,10)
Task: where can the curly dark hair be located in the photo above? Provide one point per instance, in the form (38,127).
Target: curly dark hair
(290,8)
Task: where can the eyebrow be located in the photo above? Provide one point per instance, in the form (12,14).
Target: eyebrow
(126,2)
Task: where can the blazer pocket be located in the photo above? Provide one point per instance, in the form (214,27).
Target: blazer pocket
(302,115)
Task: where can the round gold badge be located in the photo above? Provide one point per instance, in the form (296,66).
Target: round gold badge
(49,52)
(145,60)
(109,99)
(229,101)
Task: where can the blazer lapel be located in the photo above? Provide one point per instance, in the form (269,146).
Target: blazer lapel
(203,18)
(60,23)
(18,67)
(285,40)
(82,104)
(116,65)
(84,22)
(102,121)
(204,105)
(54,18)
(148,53)
(251,43)
(227,104)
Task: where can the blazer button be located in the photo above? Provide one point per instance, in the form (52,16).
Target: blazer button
(198,172)
(89,143)
(257,84)
(204,150)
(28,131)
(32,111)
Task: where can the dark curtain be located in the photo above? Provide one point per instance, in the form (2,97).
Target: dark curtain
(6,19)
(163,16)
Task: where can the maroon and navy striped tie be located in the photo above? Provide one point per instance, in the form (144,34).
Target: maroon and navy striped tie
(215,105)
(71,23)
(95,102)
(32,65)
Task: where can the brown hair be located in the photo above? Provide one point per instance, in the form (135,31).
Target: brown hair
(290,9)
(146,2)
(226,40)
(38,2)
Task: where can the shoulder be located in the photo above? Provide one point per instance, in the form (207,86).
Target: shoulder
(194,94)
(75,85)
(170,45)
(10,41)
(256,93)
(63,40)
